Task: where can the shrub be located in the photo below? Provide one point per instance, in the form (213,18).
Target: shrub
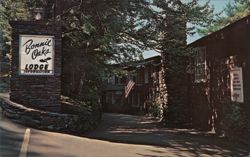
(234,122)
(87,110)
(155,110)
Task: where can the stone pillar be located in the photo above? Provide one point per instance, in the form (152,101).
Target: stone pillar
(37,85)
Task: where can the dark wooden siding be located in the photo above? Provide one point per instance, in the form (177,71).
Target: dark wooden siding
(207,99)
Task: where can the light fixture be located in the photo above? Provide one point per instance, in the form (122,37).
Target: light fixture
(38,13)
(38,16)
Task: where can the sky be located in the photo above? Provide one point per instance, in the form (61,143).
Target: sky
(219,5)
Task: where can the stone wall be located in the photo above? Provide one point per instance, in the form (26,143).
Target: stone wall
(41,92)
(51,121)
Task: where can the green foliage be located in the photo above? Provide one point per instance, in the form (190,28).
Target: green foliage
(155,110)
(233,12)
(105,29)
(89,112)
(10,10)
(76,106)
(98,34)
(234,121)
(172,17)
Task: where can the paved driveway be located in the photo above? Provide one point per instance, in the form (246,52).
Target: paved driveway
(48,144)
(145,130)
(11,137)
(117,132)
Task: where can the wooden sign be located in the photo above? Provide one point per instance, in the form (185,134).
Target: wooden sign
(236,80)
(36,55)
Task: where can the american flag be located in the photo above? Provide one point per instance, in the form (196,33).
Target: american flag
(129,87)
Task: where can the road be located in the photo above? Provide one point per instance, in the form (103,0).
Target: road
(47,144)
(11,136)
(17,141)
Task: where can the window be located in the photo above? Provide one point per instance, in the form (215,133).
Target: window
(200,65)
(111,80)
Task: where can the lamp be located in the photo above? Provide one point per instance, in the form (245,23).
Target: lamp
(38,13)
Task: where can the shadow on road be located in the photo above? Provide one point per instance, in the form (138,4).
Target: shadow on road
(11,138)
(49,144)
(144,130)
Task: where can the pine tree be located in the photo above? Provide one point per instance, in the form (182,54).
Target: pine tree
(172,17)
(95,34)
(99,32)
(10,10)
(233,12)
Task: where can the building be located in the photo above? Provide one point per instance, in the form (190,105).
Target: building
(221,74)
(145,76)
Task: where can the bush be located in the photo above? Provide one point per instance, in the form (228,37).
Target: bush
(155,110)
(85,109)
(74,106)
(234,123)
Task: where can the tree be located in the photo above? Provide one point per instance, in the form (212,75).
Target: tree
(10,10)
(233,12)
(170,40)
(99,32)
(95,34)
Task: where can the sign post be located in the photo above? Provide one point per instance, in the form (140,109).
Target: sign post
(36,64)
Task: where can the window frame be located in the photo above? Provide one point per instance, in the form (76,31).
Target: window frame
(200,67)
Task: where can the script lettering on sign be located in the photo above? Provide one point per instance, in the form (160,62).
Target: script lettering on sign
(236,84)
(36,55)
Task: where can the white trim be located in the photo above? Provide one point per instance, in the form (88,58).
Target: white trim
(200,51)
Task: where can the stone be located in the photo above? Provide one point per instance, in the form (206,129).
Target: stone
(40,92)
(68,123)
(29,121)
(11,115)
